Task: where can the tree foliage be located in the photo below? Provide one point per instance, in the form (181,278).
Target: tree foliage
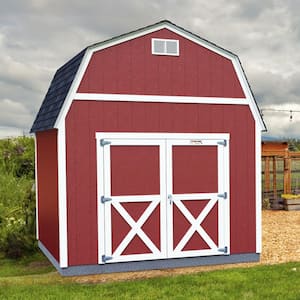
(17,197)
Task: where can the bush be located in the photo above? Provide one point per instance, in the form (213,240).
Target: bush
(17,197)
(17,157)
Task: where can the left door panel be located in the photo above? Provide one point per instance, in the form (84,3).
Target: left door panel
(131,190)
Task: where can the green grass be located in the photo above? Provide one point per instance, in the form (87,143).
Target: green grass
(35,264)
(22,281)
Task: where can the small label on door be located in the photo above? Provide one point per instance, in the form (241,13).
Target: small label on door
(196,142)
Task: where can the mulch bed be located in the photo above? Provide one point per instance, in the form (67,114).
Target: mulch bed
(280,243)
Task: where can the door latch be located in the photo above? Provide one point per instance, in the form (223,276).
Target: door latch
(170,198)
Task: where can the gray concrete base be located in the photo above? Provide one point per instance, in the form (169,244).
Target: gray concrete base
(150,264)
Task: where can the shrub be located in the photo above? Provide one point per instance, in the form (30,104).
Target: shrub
(17,197)
(17,156)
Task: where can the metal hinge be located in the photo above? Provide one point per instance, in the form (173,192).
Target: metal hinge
(106,258)
(105,199)
(103,142)
(223,143)
(225,249)
(224,195)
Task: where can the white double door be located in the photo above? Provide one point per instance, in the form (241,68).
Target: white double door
(162,196)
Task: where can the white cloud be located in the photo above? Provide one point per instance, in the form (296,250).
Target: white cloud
(8,132)
(281,119)
(14,114)
(38,36)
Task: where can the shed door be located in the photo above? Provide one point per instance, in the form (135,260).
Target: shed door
(134,190)
(197,198)
(162,198)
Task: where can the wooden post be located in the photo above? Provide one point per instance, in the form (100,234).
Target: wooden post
(287,173)
(267,174)
(274,178)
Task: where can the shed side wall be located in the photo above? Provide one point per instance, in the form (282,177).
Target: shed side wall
(85,118)
(130,68)
(48,190)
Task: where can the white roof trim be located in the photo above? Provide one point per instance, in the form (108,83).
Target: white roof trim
(163,25)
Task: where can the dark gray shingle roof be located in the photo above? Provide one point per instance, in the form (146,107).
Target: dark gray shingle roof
(56,94)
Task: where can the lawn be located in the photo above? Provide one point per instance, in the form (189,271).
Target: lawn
(34,278)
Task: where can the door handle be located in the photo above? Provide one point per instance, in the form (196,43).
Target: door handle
(170,198)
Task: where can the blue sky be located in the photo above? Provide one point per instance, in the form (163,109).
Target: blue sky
(38,36)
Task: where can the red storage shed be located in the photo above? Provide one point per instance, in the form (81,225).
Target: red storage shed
(148,156)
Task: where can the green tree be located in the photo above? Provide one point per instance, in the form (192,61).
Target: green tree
(17,197)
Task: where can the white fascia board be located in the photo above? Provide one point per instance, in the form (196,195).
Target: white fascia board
(60,121)
(247,91)
(158,98)
(169,26)
(198,40)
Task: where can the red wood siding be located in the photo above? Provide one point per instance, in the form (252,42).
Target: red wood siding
(48,190)
(195,169)
(134,170)
(130,68)
(87,117)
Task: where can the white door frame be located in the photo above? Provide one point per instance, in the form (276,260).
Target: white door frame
(164,141)
(221,198)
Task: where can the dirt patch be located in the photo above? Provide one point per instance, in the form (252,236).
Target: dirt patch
(280,243)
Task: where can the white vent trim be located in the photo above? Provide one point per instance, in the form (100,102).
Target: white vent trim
(165,47)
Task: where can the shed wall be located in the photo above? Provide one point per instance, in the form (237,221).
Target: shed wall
(47,179)
(130,68)
(87,117)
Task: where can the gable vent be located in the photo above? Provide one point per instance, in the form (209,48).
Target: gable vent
(165,47)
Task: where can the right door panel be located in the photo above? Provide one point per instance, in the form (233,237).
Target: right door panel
(198,214)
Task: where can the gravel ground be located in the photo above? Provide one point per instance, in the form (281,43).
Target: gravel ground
(281,243)
(281,236)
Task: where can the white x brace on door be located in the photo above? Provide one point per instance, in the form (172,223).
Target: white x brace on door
(162,195)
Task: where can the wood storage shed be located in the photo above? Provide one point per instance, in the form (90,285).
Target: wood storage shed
(148,156)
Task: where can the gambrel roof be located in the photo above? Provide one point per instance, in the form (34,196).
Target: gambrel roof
(62,83)
(57,94)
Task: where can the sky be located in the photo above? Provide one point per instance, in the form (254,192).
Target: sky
(38,36)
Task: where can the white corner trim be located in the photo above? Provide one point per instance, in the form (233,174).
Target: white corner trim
(36,187)
(158,98)
(258,189)
(62,197)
